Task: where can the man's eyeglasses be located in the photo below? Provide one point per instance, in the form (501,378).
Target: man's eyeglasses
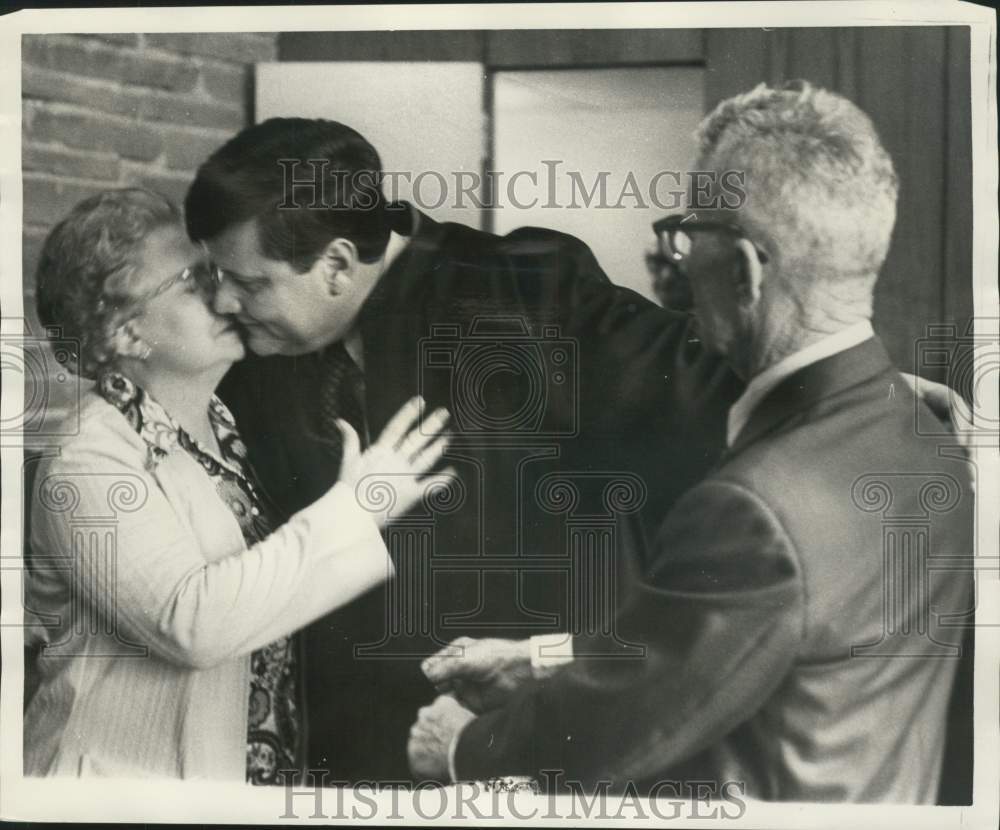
(674,235)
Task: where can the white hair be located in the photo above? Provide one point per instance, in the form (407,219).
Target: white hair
(820,186)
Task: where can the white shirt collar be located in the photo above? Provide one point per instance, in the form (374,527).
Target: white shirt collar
(354,347)
(762,384)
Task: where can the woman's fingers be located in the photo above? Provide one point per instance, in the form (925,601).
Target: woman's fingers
(411,489)
(400,423)
(351,447)
(415,440)
(429,455)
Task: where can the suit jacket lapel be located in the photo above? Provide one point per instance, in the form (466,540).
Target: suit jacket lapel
(798,392)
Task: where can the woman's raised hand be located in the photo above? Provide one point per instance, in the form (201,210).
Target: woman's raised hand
(391,475)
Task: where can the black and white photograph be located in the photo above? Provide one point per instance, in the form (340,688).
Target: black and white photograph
(558,414)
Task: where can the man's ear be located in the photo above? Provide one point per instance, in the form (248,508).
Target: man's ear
(749,273)
(340,265)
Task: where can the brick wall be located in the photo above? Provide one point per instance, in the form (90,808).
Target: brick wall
(110,110)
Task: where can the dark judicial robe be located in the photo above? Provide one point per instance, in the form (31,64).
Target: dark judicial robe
(577,405)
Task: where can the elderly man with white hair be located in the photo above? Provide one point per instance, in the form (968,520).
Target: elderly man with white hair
(795,640)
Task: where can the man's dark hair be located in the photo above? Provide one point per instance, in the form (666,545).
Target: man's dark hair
(252,176)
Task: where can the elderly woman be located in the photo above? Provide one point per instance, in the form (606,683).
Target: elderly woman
(171,598)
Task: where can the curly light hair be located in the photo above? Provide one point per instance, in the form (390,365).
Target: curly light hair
(88,266)
(820,185)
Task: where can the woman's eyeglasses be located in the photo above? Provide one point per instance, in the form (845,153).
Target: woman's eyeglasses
(673,234)
(203,274)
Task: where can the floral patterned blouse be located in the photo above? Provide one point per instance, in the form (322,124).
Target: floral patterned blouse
(274,742)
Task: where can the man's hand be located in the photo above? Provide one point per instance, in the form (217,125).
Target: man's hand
(947,404)
(431,736)
(483,674)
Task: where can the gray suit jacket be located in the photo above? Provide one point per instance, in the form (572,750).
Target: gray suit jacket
(794,616)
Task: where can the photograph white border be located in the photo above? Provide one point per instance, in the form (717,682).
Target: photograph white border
(143,801)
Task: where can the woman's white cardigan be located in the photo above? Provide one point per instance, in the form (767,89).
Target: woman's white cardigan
(154,604)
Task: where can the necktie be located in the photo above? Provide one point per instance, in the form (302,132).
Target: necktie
(341,395)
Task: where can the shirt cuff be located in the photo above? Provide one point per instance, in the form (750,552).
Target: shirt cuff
(452,749)
(549,652)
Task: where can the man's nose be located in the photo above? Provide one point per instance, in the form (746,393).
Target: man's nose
(226,300)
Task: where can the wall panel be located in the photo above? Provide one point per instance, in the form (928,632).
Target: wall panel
(956,287)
